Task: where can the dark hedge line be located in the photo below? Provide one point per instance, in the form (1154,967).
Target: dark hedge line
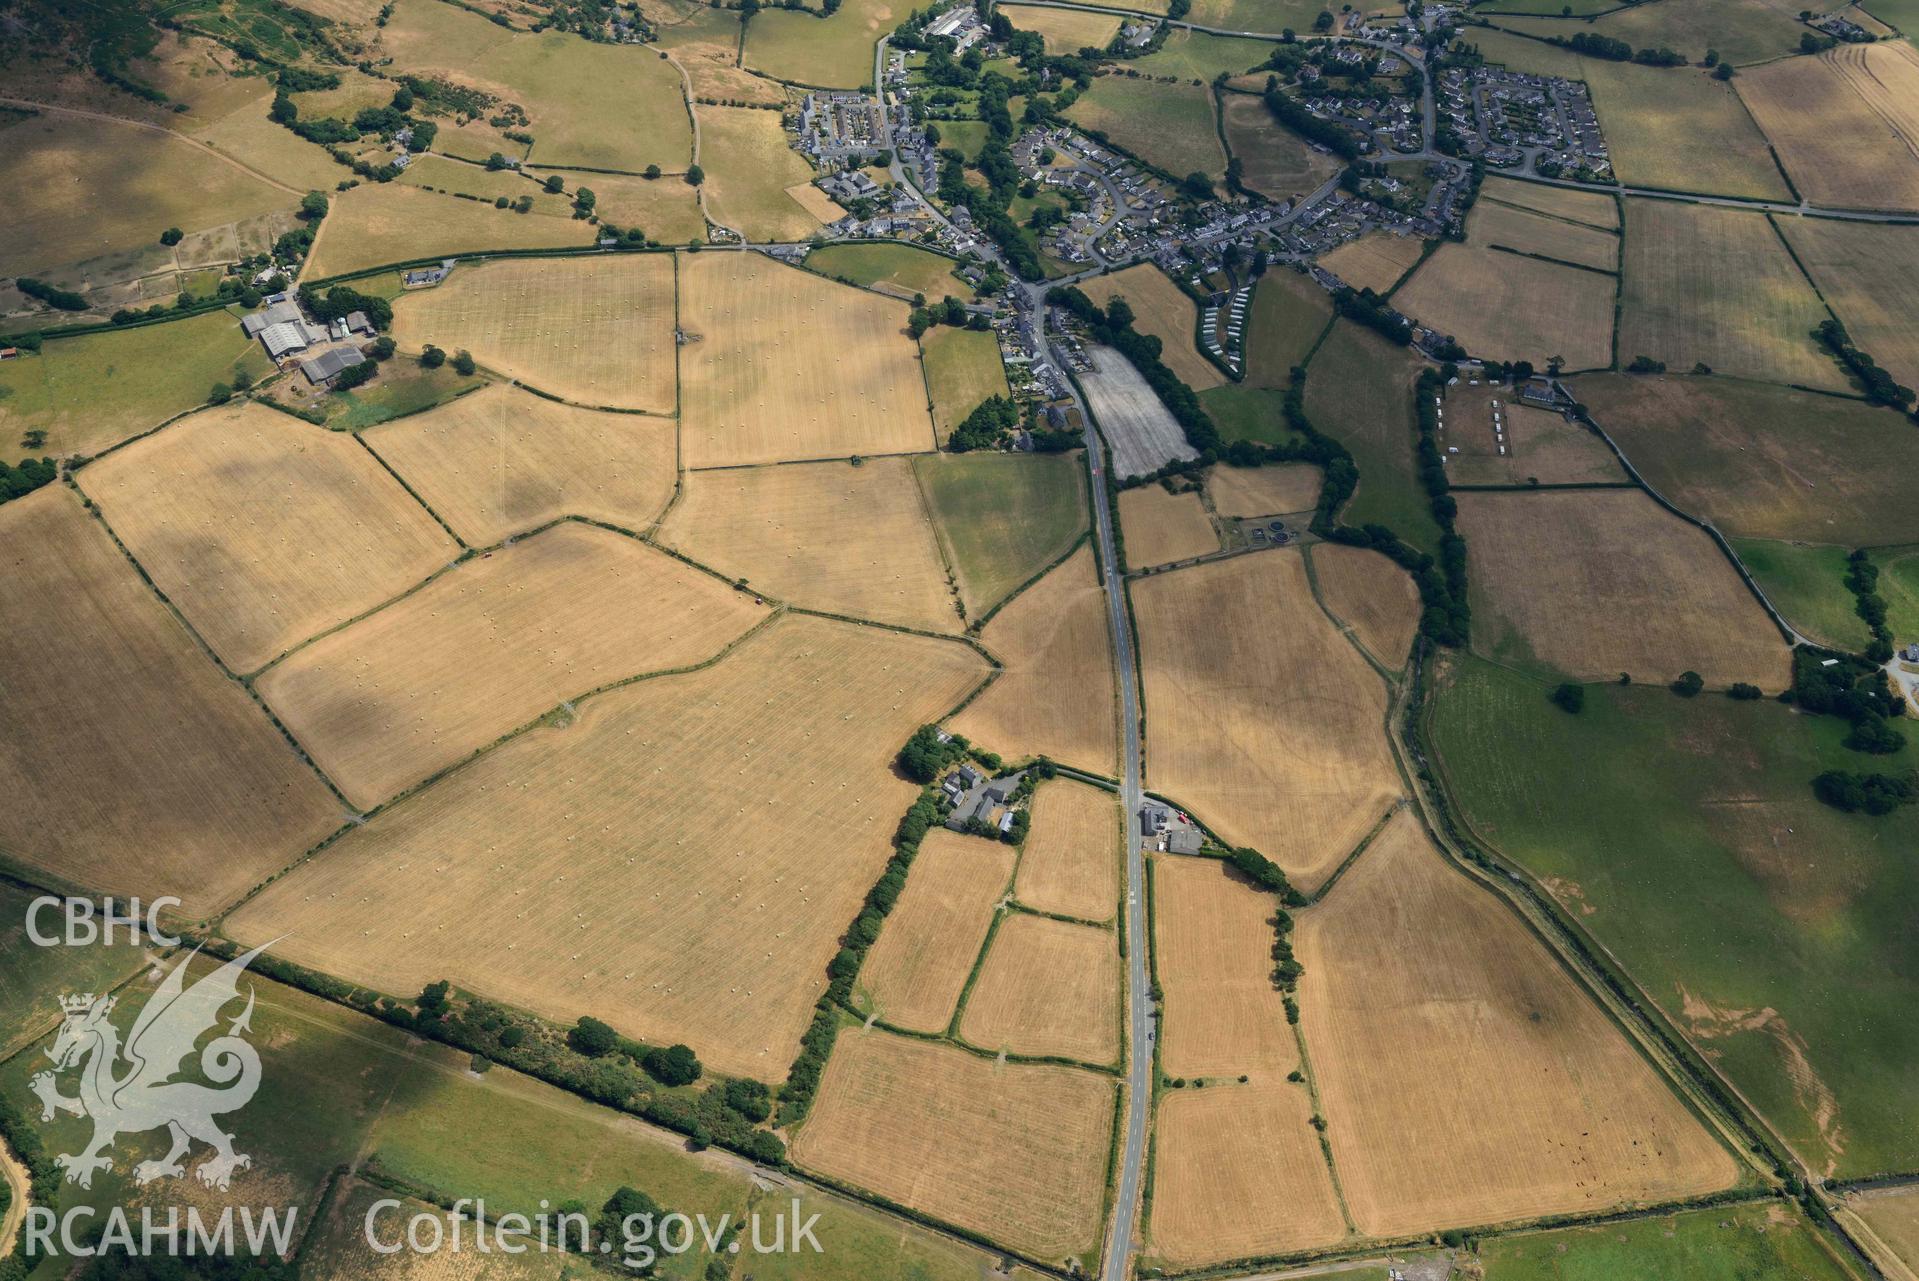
(803,1078)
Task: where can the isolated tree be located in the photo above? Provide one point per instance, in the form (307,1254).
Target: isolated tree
(554,184)
(172,236)
(219,394)
(695,175)
(313,206)
(432,357)
(463,363)
(1688,684)
(1570,697)
(651,171)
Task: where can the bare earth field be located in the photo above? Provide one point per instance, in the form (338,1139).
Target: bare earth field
(1047,988)
(1238,1174)
(500,462)
(1277,162)
(1213,945)
(1593,208)
(1162,309)
(1844,123)
(381,223)
(791,366)
(1014,1151)
(1373,596)
(1495,224)
(774,764)
(829,536)
(1263,491)
(569,610)
(133,765)
(1143,435)
(1259,714)
(1521,1100)
(1764,461)
(84,187)
(1711,285)
(1162,527)
(1056,696)
(917,968)
(1070,863)
(1502,306)
(1375,261)
(1870,276)
(1065,31)
(1552,573)
(264,530)
(596,331)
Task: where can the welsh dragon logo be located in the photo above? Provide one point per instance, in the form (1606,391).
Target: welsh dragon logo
(131,1089)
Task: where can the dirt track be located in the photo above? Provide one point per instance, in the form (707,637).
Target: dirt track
(16,1176)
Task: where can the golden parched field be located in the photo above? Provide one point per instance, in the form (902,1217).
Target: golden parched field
(1259,714)
(1014,1151)
(790,366)
(557,872)
(1065,31)
(1047,988)
(1869,273)
(262,529)
(1373,596)
(1056,696)
(1162,309)
(1593,208)
(597,331)
(1237,1174)
(501,461)
(1464,1076)
(132,764)
(749,165)
(828,536)
(379,706)
(389,222)
(1496,224)
(1263,491)
(1162,527)
(104,186)
(1712,285)
(1376,261)
(1213,945)
(1503,306)
(916,969)
(1845,124)
(1070,862)
(1553,573)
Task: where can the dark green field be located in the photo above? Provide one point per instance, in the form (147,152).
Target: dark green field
(1899,584)
(1247,413)
(1359,388)
(1806,583)
(1684,836)
(1289,313)
(1001,518)
(1744,1243)
(36,977)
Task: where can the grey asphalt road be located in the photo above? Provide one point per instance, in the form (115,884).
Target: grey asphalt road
(1139,1013)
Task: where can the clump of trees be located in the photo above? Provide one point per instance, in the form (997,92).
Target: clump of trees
(1875,794)
(986,426)
(925,757)
(26,476)
(1570,697)
(1880,387)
